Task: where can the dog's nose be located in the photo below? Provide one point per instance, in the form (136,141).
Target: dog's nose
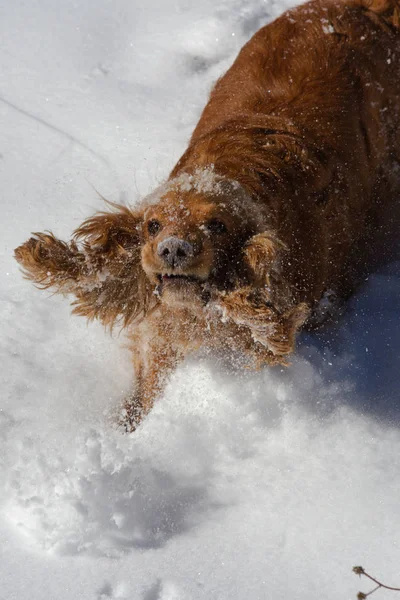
(175,252)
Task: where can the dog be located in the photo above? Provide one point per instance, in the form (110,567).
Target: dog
(289,181)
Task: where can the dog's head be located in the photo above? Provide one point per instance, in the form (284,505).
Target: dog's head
(194,236)
(197,236)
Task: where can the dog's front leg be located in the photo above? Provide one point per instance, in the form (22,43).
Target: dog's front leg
(153,363)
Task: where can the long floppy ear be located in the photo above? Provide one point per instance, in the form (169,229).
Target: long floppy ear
(266,306)
(261,255)
(101,266)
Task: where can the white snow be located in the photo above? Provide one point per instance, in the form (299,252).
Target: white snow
(238,485)
(203,181)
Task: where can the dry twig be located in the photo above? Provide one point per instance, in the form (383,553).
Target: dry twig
(361,595)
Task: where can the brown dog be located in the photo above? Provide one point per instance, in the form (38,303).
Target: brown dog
(290,173)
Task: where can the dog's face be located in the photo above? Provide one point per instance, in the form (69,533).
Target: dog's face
(192,243)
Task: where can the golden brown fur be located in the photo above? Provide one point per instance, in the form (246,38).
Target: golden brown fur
(289,180)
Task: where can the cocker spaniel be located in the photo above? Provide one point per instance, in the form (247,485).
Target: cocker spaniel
(289,175)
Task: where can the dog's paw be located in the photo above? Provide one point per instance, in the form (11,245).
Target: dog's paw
(131,415)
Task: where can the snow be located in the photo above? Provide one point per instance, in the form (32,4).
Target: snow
(203,181)
(237,485)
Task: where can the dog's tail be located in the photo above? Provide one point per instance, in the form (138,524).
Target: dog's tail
(388,9)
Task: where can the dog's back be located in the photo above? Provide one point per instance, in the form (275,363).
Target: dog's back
(319,88)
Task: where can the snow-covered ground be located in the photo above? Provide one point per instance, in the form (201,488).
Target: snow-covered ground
(236,487)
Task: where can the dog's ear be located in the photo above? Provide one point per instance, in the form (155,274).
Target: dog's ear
(261,255)
(101,266)
(265,306)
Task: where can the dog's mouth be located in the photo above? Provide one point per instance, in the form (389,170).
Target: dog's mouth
(174,278)
(182,287)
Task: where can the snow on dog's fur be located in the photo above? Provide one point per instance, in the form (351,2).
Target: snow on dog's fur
(278,198)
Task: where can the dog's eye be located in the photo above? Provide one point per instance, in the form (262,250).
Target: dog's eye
(153,227)
(216,226)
